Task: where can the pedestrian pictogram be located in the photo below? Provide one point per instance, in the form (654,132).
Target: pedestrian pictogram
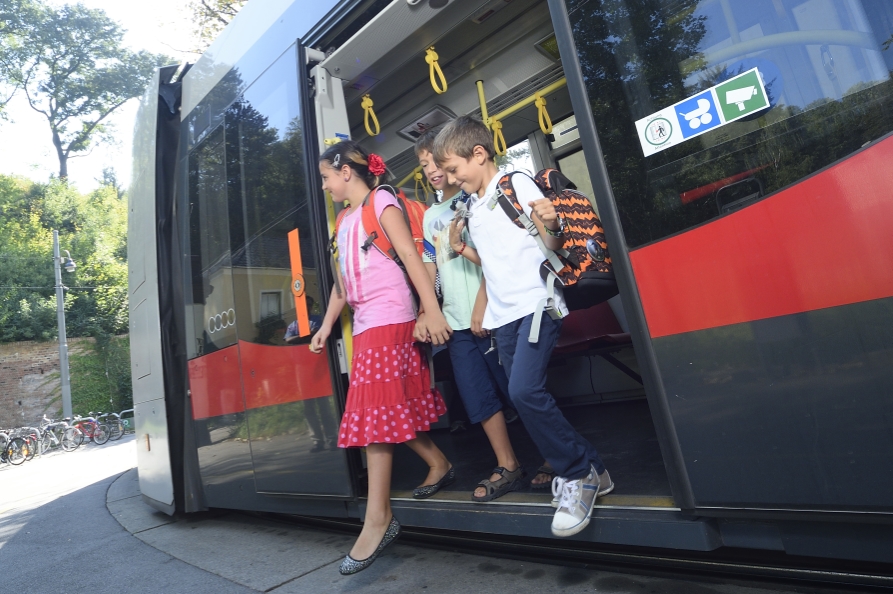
(658,131)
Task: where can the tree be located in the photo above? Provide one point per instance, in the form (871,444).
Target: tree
(71,66)
(209,17)
(93,227)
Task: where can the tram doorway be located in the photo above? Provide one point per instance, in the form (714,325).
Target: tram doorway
(494,67)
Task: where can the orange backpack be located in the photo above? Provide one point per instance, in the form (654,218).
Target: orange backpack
(413,213)
(583,266)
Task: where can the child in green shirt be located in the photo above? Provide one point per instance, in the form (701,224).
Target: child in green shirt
(478,375)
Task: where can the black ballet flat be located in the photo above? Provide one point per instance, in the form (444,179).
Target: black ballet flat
(428,490)
(350,565)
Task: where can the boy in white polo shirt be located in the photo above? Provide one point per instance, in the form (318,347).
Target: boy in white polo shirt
(511,259)
(477,372)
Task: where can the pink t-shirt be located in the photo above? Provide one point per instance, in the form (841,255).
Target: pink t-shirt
(376,288)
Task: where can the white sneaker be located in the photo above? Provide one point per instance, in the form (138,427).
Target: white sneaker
(575,505)
(605,486)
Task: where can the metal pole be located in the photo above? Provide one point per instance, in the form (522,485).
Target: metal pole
(63,339)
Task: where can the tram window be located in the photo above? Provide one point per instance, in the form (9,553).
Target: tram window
(826,66)
(574,167)
(269,209)
(517,158)
(211,314)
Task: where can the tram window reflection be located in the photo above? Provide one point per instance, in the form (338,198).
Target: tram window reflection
(211,317)
(270,230)
(826,73)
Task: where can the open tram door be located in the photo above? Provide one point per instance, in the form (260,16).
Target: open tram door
(594,374)
(265,410)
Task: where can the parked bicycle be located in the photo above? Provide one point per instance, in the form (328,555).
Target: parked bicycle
(113,422)
(92,429)
(59,434)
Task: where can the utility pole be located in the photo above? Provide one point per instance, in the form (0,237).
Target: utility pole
(63,339)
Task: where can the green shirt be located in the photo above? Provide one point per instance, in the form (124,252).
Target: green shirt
(460,279)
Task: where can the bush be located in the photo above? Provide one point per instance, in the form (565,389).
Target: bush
(100,376)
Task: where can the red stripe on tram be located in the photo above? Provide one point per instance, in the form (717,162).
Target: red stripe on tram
(215,384)
(825,242)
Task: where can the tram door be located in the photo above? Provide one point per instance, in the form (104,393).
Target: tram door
(263,404)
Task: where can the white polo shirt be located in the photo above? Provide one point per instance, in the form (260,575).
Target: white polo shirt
(510,257)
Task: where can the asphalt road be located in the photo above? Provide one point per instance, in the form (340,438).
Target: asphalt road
(56,533)
(76,522)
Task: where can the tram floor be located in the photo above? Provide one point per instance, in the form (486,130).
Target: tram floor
(622,432)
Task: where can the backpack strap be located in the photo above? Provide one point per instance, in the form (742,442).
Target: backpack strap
(520,217)
(333,247)
(547,304)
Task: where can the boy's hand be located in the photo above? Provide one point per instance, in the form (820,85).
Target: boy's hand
(545,211)
(420,332)
(319,339)
(438,329)
(456,228)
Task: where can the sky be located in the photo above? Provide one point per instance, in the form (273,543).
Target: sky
(26,149)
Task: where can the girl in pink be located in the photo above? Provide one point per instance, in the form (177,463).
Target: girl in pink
(390,399)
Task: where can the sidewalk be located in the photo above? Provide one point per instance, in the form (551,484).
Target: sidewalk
(269,556)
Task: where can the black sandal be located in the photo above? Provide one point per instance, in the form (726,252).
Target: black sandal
(506,483)
(547,470)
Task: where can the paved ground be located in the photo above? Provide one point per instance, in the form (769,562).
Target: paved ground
(78,519)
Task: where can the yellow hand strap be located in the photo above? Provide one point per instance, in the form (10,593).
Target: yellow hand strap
(367,108)
(420,181)
(545,120)
(498,138)
(434,68)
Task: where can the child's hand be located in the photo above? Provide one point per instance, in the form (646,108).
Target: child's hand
(438,329)
(420,332)
(544,210)
(477,319)
(319,339)
(456,228)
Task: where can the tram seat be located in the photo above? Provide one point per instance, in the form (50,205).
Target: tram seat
(593,332)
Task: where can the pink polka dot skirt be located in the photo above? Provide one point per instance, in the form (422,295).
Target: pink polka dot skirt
(390,396)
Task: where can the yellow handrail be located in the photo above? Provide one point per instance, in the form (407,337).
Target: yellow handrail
(421,180)
(367,108)
(434,69)
(411,175)
(525,102)
(483,100)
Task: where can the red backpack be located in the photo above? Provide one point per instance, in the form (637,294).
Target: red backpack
(413,213)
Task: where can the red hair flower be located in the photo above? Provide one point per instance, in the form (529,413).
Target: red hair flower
(376,164)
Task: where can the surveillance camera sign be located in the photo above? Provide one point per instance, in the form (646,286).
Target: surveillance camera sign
(717,106)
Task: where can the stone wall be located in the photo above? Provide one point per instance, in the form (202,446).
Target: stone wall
(29,372)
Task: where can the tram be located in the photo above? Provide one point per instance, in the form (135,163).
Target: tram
(740,154)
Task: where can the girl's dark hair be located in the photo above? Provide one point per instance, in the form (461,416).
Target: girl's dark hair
(347,152)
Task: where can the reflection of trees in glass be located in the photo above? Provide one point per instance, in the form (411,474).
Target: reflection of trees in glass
(630,53)
(267,187)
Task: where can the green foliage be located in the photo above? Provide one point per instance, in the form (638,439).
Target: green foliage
(209,17)
(93,227)
(73,70)
(100,376)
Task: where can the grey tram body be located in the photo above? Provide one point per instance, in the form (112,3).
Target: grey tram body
(268,66)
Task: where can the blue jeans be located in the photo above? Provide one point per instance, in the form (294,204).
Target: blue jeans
(478,375)
(569,453)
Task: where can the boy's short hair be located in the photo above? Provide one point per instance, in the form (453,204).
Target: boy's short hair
(425,143)
(459,138)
